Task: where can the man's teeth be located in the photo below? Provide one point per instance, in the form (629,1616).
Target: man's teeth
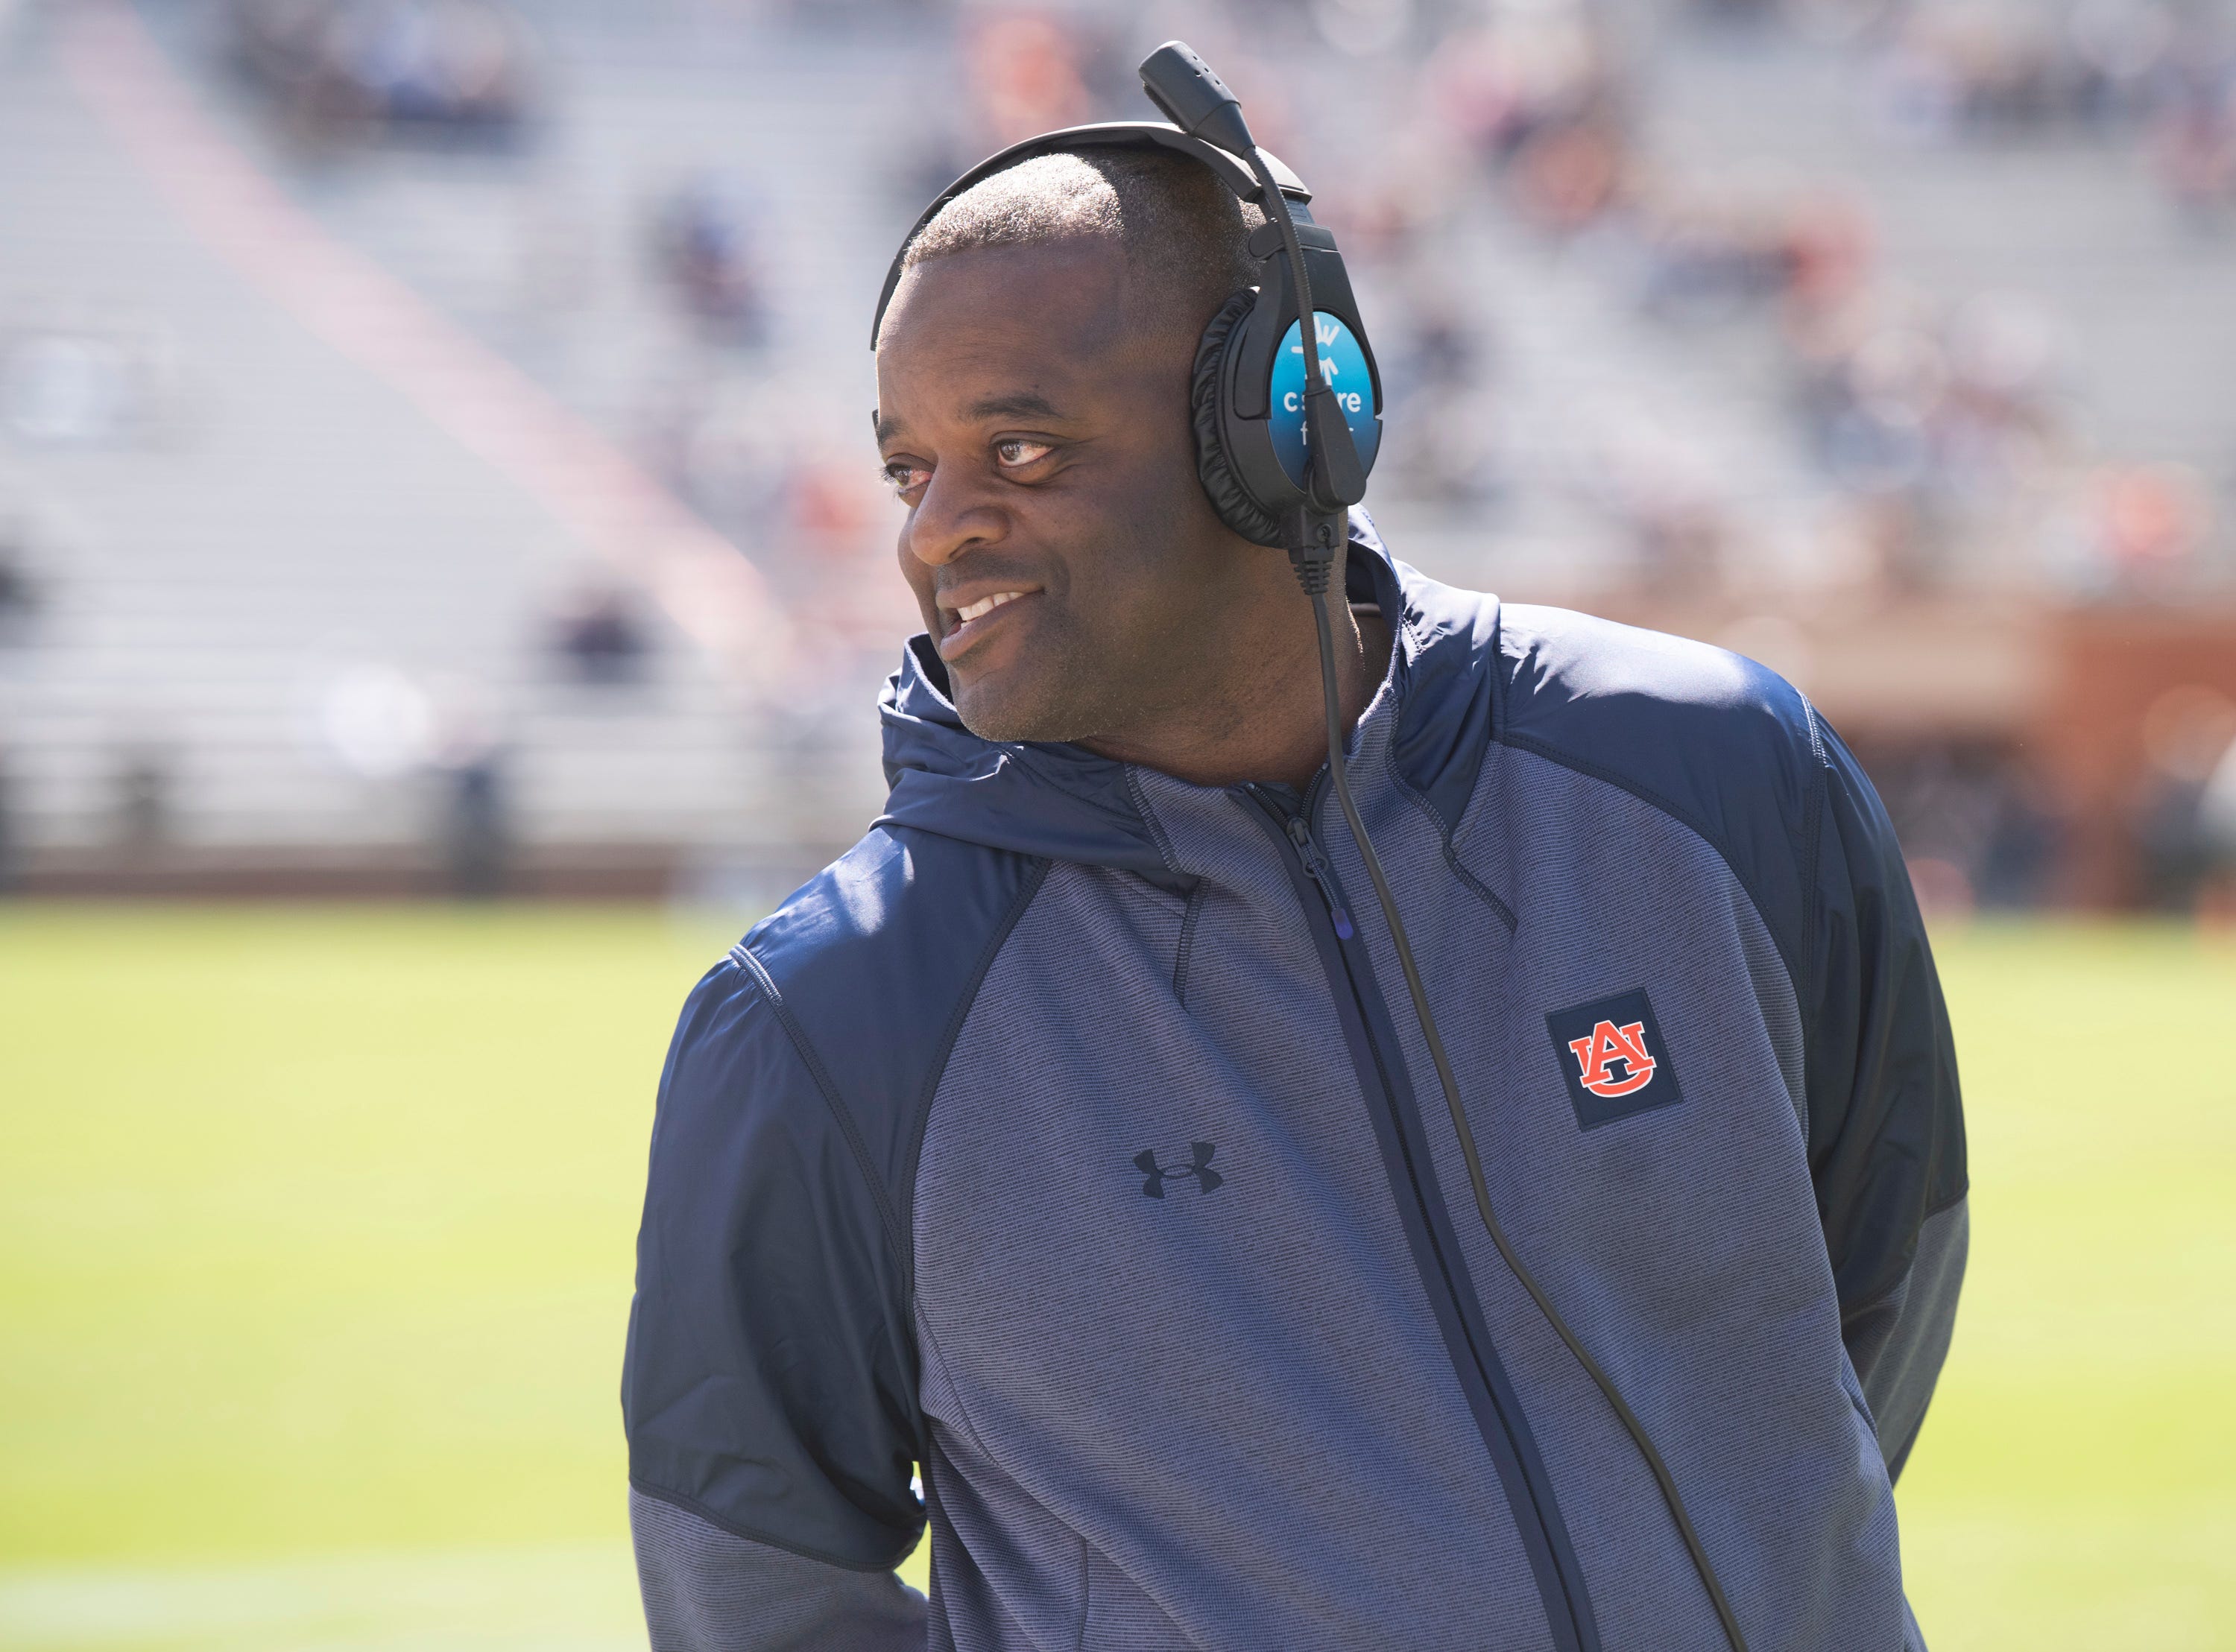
(986,605)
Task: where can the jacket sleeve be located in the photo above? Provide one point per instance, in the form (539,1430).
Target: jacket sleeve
(767,1390)
(1886,1125)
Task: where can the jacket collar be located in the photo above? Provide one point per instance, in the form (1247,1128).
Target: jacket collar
(1063,803)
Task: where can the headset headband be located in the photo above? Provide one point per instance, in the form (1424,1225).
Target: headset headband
(1232,173)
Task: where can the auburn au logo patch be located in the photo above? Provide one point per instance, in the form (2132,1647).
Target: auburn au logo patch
(1612,1054)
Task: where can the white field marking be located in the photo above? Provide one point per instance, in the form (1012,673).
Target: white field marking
(489,406)
(566,1597)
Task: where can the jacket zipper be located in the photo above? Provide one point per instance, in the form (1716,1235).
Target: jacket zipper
(1296,826)
(1322,875)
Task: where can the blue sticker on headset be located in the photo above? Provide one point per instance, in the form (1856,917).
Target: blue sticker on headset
(1343,364)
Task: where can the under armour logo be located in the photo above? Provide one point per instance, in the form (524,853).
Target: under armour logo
(1198,1165)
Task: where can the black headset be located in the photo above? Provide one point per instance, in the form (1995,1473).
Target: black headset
(1283,447)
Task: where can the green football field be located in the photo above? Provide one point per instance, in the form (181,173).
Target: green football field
(315,1232)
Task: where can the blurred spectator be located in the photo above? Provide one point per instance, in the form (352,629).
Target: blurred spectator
(476,833)
(2216,815)
(11,854)
(2151,520)
(1947,418)
(145,806)
(19,592)
(1535,94)
(366,69)
(1976,65)
(1434,349)
(2018,858)
(2193,137)
(1023,73)
(1977,824)
(1950,69)
(2189,736)
(1025,77)
(1439,395)
(600,636)
(704,246)
(1443,447)
(1707,257)
(1826,251)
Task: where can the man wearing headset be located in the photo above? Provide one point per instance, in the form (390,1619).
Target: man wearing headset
(1070,1145)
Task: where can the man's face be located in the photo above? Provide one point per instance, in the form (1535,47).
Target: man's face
(1057,540)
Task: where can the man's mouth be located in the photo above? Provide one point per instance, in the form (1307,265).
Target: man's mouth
(986,605)
(971,620)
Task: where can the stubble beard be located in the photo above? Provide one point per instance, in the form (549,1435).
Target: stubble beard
(1074,690)
(1085,685)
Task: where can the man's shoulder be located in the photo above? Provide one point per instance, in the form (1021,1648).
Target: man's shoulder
(1726,746)
(891,928)
(837,1010)
(1680,724)
(1647,703)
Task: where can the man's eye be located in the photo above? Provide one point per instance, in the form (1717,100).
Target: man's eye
(905,476)
(1015,453)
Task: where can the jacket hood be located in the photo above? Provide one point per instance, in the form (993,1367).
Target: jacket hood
(1063,803)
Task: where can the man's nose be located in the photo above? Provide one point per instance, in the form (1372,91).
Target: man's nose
(952,517)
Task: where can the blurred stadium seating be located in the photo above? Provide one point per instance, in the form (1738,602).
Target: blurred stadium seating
(431,439)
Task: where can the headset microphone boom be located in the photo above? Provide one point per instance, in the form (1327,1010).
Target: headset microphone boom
(1287,476)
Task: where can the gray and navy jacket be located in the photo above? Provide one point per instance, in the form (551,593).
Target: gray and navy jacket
(1065,1144)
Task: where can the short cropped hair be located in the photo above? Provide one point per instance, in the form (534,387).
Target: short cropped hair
(1184,235)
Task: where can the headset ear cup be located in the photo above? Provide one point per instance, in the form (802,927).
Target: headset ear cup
(1228,496)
